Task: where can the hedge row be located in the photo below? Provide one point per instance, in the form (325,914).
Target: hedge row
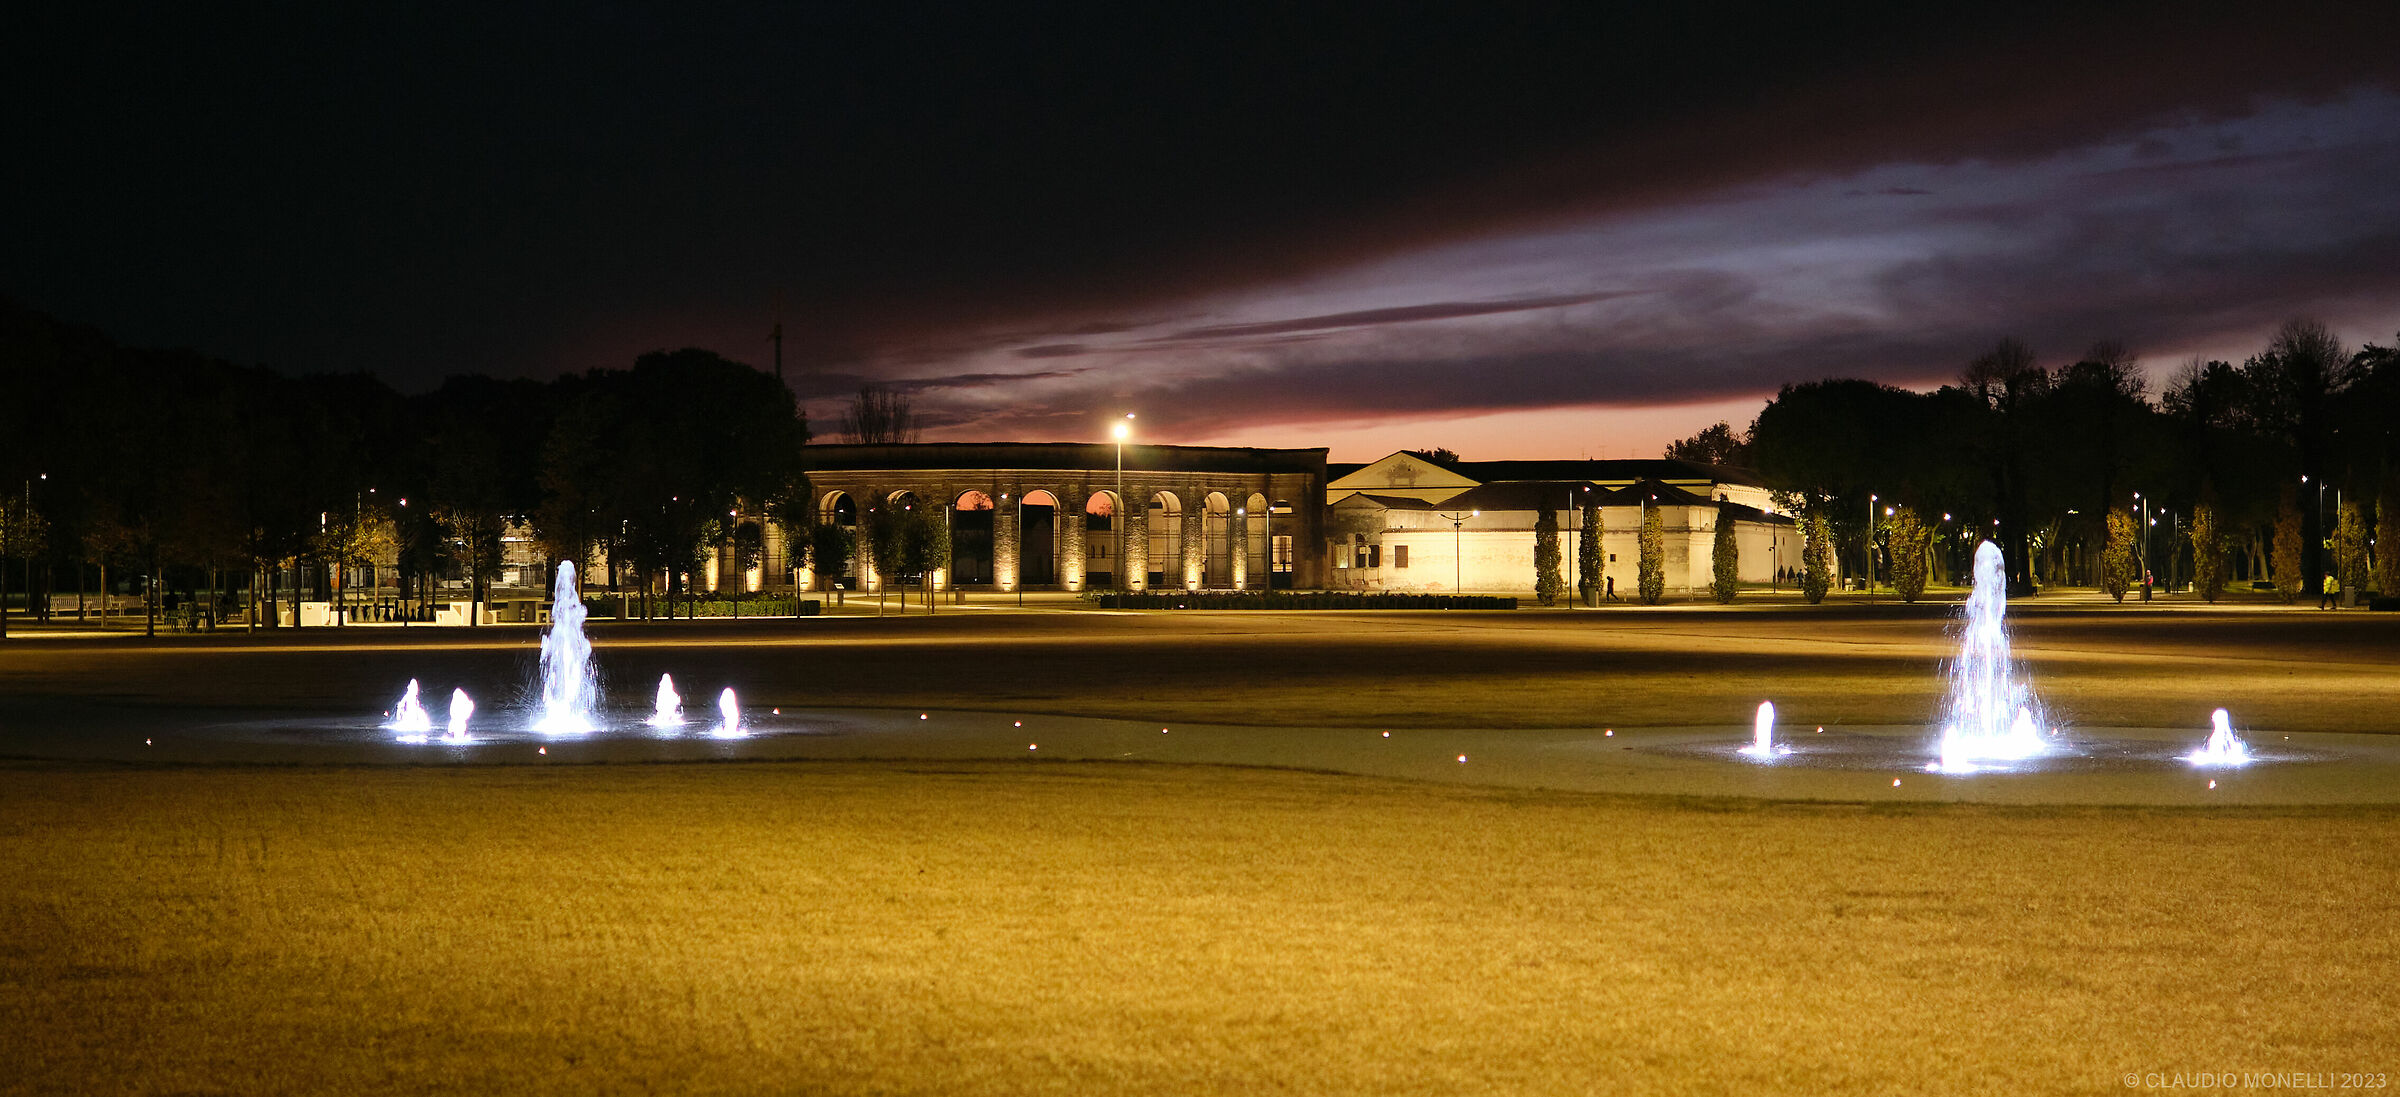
(1291,600)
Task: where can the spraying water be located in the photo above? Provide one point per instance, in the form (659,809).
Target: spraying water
(1991,714)
(570,683)
(462,708)
(409,717)
(2224,748)
(730,713)
(1762,736)
(669,711)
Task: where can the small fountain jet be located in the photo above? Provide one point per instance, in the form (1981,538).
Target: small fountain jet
(730,713)
(1762,742)
(669,711)
(2223,748)
(462,708)
(409,717)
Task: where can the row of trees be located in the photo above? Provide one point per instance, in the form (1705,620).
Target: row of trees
(209,476)
(1549,581)
(2290,454)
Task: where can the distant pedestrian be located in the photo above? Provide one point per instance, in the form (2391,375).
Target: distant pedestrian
(2329,596)
(1612,587)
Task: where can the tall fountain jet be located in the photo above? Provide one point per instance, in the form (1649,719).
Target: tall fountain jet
(570,684)
(1991,714)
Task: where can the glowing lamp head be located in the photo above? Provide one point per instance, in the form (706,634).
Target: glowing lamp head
(1121,431)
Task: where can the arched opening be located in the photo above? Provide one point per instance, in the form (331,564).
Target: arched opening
(1256,521)
(1037,538)
(901,500)
(1166,541)
(838,509)
(1101,551)
(1216,537)
(971,528)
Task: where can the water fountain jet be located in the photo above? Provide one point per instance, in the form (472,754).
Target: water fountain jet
(730,713)
(2223,748)
(1762,741)
(668,712)
(409,717)
(462,708)
(570,683)
(1991,714)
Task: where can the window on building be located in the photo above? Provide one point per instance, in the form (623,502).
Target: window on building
(1374,556)
(1341,557)
(1399,556)
(1281,553)
(1612,557)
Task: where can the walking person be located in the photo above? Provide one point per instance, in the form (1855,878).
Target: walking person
(2330,595)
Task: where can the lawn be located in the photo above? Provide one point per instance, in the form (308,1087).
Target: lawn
(1094,928)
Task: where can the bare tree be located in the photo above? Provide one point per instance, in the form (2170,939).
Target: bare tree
(879,415)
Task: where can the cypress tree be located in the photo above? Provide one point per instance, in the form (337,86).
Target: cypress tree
(1816,560)
(1725,560)
(2119,560)
(2284,561)
(1548,582)
(1910,542)
(1654,555)
(2350,549)
(2208,553)
(1588,558)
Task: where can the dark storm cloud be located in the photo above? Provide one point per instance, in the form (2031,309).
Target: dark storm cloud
(2085,246)
(1346,214)
(1400,314)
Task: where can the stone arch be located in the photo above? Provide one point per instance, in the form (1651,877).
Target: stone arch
(1163,517)
(974,538)
(1035,528)
(1216,540)
(837,507)
(1106,533)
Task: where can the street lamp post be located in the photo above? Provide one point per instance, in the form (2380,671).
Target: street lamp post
(1124,581)
(1871,497)
(1457,551)
(2141,534)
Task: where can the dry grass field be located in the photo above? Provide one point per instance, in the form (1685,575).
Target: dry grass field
(1093,928)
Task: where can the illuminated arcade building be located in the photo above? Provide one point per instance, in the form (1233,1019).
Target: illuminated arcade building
(1046,515)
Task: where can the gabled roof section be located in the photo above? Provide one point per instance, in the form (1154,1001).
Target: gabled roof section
(1361,499)
(1402,473)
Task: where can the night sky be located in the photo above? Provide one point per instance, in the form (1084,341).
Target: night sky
(1514,235)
